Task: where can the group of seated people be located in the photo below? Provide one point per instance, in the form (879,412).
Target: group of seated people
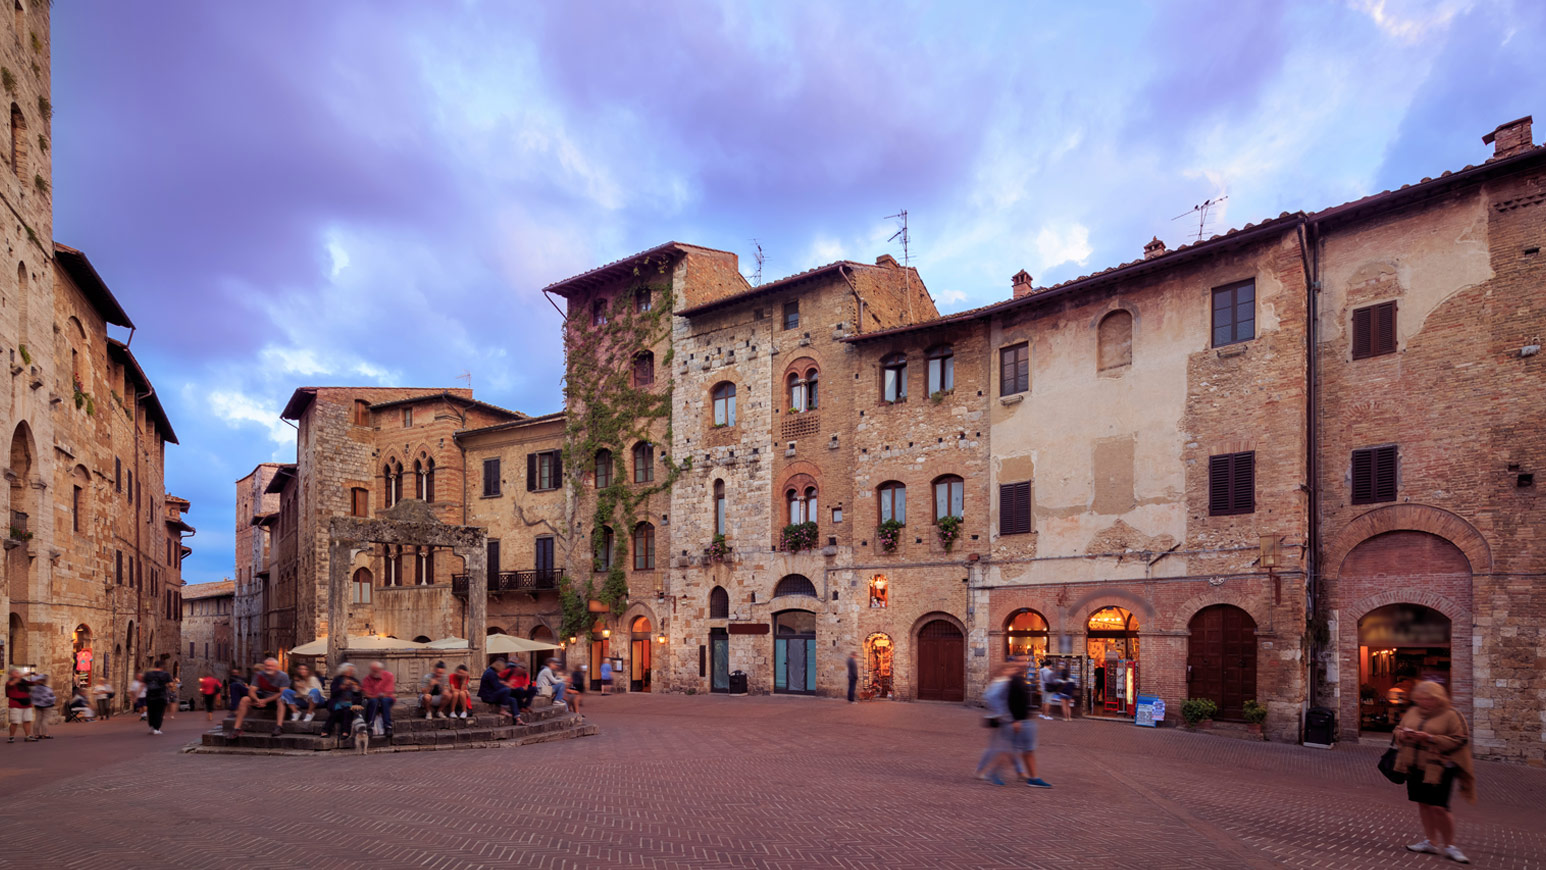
(446,695)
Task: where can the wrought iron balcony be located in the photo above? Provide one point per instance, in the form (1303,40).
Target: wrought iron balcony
(546,580)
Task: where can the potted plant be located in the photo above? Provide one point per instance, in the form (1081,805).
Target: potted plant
(1198,712)
(717,549)
(949,528)
(798,536)
(889,535)
(1255,715)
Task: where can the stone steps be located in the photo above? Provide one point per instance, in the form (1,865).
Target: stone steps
(410,732)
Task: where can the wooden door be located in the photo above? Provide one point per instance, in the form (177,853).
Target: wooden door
(719,660)
(941,662)
(1221,659)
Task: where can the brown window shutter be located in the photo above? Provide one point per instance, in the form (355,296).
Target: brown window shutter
(1385,473)
(531,472)
(1363,333)
(1384,331)
(1244,485)
(558,469)
(1014,508)
(1219,489)
(1363,477)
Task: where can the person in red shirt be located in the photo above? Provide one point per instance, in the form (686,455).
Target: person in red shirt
(461,699)
(18,702)
(520,685)
(209,687)
(380,686)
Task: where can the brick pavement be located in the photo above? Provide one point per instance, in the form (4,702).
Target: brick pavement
(675,781)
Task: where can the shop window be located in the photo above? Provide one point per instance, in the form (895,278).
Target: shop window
(643,462)
(949,493)
(1025,634)
(893,378)
(724,404)
(942,369)
(880,591)
(893,502)
(879,651)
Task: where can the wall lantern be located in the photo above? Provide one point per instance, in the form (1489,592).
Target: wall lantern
(606,633)
(573,640)
(661,638)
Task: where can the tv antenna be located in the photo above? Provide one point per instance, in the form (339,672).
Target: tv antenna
(907,273)
(1201,210)
(759,257)
(466,377)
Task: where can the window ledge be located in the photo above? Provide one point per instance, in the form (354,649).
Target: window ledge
(1011,400)
(1230,350)
(492,495)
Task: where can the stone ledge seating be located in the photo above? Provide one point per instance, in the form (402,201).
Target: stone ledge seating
(410,730)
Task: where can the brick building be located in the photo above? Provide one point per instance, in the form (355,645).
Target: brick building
(254,506)
(208,634)
(94,552)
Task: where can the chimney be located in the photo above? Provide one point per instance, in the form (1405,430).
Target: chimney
(1153,249)
(887,260)
(1022,284)
(1510,139)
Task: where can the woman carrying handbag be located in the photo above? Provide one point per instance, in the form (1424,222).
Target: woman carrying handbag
(1433,748)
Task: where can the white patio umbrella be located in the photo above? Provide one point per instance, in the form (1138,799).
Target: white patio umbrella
(361,642)
(447,643)
(504,644)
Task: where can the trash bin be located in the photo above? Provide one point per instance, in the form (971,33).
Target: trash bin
(1320,727)
(737,683)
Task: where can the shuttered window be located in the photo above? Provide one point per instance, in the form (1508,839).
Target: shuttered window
(1014,369)
(1014,508)
(1374,475)
(491,477)
(544,470)
(1374,330)
(1232,484)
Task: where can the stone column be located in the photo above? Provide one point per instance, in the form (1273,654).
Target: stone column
(475,559)
(340,556)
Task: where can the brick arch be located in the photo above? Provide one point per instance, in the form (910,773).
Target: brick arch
(932,615)
(1443,604)
(634,611)
(1077,615)
(800,367)
(1417,518)
(1251,605)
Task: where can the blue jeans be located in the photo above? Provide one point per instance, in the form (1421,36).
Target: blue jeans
(292,699)
(382,706)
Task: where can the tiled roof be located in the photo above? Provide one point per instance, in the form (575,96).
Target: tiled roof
(209,590)
(151,402)
(86,278)
(616,268)
(450,397)
(513,424)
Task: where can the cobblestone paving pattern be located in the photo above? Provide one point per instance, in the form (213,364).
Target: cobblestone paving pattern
(707,782)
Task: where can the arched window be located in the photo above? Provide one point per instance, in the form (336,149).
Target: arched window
(795,584)
(893,377)
(893,502)
(644,547)
(942,369)
(719,508)
(1025,634)
(796,392)
(18,141)
(643,462)
(424,479)
(598,312)
(1114,340)
(949,492)
(811,393)
(392,483)
(643,368)
(604,543)
(724,404)
(603,468)
(802,504)
(719,603)
(362,587)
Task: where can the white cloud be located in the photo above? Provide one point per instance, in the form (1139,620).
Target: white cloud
(950,297)
(237,409)
(294,361)
(338,256)
(1411,20)
(1065,243)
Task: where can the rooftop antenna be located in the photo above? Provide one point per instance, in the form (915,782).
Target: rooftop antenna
(466,377)
(759,257)
(1201,210)
(907,274)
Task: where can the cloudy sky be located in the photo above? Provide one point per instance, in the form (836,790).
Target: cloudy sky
(357,192)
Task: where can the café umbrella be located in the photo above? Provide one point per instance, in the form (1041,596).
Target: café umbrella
(360,642)
(497,644)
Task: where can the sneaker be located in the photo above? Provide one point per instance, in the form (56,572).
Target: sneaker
(154,731)
(295,717)
(1038,782)
(463,714)
(428,716)
(1455,855)
(309,717)
(1423,846)
(1048,718)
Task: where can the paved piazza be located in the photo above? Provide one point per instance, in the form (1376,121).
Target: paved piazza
(676,781)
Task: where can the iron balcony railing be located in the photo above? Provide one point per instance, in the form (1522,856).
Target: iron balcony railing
(543,580)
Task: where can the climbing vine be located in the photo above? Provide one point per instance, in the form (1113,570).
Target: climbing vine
(609,411)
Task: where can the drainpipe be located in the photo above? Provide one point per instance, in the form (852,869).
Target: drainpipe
(1309,252)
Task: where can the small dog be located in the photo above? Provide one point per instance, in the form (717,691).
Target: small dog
(360,730)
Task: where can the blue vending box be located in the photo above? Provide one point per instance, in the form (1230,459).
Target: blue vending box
(1149,711)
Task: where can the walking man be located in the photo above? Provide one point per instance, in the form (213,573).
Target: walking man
(1022,706)
(209,687)
(18,703)
(853,676)
(157,682)
(42,706)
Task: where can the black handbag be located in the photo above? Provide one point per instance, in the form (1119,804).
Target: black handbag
(1387,766)
(990,721)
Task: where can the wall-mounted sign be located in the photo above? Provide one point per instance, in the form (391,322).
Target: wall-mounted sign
(748,628)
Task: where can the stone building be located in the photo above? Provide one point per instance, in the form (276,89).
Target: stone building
(254,505)
(95,545)
(208,633)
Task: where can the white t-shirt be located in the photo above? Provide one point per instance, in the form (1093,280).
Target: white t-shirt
(1046,679)
(137,688)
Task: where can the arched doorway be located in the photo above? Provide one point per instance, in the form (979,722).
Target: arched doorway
(1025,634)
(878,653)
(1111,643)
(941,662)
(1399,645)
(538,657)
(794,652)
(1221,659)
(639,664)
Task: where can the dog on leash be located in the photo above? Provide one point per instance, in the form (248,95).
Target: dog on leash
(360,730)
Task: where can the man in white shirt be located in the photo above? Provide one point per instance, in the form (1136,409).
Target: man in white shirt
(551,682)
(1046,677)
